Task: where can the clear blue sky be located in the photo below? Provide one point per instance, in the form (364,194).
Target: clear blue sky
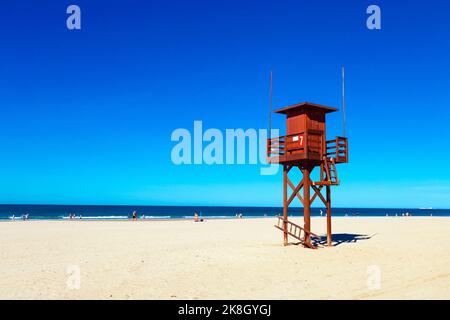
(87,115)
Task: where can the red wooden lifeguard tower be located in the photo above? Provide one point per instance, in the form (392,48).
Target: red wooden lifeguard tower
(305,146)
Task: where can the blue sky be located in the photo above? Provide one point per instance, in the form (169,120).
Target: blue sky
(87,115)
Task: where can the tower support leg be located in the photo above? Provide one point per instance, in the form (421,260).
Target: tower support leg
(329,239)
(285,205)
(306,204)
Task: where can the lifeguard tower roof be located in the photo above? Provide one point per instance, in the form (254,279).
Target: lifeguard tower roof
(304,106)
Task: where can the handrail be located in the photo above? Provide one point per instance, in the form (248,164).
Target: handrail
(279,145)
(338,149)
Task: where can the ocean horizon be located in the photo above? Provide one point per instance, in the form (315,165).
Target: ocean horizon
(121,212)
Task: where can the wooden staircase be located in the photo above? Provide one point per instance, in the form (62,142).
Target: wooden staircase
(329,173)
(299,233)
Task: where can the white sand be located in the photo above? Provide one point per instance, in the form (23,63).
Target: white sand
(223,259)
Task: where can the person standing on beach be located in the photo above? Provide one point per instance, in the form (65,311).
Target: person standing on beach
(134,215)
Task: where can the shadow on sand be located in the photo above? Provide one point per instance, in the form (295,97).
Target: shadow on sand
(339,238)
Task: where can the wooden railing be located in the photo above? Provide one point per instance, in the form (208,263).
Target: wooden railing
(338,149)
(302,143)
(281,145)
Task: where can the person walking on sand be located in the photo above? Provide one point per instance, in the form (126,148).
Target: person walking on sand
(134,215)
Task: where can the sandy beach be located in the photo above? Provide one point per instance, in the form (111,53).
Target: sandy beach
(224,259)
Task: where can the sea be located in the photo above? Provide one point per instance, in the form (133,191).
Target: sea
(122,212)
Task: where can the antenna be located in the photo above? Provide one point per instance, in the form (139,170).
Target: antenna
(270,107)
(343,101)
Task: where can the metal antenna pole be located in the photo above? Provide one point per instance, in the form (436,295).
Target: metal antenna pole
(343,102)
(270,107)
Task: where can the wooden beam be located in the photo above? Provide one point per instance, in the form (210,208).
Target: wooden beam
(295,191)
(315,194)
(307,205)
(329,239)
(318,193)
(285,204)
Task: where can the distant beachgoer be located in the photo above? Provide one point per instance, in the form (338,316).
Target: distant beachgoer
(321,213)
(13,217)
(81,217)
(134,215)
(197,218)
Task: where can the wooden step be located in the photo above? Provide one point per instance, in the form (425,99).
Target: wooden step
(325,183)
